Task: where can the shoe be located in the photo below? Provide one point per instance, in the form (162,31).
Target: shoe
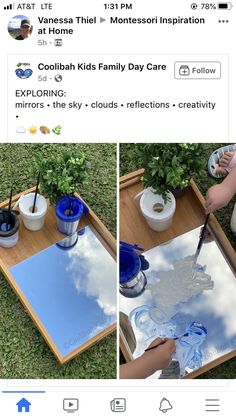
(215,157)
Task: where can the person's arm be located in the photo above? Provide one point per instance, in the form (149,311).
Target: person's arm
(150,361)
(218,196)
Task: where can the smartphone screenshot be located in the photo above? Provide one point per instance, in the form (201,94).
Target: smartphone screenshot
(117,209)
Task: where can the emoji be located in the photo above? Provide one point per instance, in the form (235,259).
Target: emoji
(32,130)
(44,130)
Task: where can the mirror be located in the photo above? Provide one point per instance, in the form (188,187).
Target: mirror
(171,303)
(71,290)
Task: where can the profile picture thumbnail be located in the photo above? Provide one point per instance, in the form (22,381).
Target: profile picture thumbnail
(20,28)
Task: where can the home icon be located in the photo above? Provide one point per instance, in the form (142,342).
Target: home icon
(23,406)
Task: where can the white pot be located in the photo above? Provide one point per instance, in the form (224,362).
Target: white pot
(33,221)
(157,213)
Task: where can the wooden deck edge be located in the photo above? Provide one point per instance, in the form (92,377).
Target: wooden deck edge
(217,231)
(100,227)
(132,175)
(16,197)
(124,347)
(131,179)
(210,366)
(90,343)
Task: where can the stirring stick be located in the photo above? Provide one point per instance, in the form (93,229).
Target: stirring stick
(36,193)
(201,239)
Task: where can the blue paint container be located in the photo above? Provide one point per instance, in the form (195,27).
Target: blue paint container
(132,278)
(69,211)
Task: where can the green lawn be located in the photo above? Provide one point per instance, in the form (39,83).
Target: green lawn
(128,163)
(23,352)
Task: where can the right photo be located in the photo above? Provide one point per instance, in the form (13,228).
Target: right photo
(177,279)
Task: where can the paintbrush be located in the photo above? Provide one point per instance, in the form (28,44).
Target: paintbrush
(71,205)
(36,193)
(201,239)
(162,343)
(9,211)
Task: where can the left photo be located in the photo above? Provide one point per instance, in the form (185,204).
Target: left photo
(58,290)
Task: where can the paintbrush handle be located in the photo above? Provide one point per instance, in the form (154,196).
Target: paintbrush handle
(161,343)
(155,346)
(36,193)
(202,234)
(204,227)
(10,201)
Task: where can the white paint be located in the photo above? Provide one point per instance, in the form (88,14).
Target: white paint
(179,284)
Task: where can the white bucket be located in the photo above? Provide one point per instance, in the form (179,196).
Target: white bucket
(157,213)
(33,221)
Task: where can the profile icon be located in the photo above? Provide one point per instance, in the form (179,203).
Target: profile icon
(20,28)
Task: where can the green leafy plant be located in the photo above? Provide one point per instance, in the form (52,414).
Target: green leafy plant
(171,166)
(57,130)
(61,174)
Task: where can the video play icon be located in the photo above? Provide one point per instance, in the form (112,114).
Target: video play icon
(71,405)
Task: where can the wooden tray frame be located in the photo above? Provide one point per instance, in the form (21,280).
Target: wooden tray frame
(31,243)
(134,180)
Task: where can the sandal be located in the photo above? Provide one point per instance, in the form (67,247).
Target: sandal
(216,156)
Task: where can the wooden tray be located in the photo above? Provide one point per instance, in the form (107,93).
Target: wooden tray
(31,243)
(188,216)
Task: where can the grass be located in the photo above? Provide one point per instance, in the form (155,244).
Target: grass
(23,352)
(128,163)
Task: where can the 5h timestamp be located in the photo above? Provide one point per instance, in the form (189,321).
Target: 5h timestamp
(117,6)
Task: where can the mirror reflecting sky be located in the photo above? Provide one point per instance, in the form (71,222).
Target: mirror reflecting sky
(215,307)
(72,291)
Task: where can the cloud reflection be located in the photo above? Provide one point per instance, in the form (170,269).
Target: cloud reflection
(94,271)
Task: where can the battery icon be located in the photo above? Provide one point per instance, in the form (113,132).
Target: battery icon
(225,6)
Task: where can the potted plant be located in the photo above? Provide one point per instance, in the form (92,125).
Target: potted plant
(61,176)
(170,167)
(168,171)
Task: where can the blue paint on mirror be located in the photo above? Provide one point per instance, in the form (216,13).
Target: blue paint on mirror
(213,306)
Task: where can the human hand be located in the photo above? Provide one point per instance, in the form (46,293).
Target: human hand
(218,196)
(161,355)
(149,362)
